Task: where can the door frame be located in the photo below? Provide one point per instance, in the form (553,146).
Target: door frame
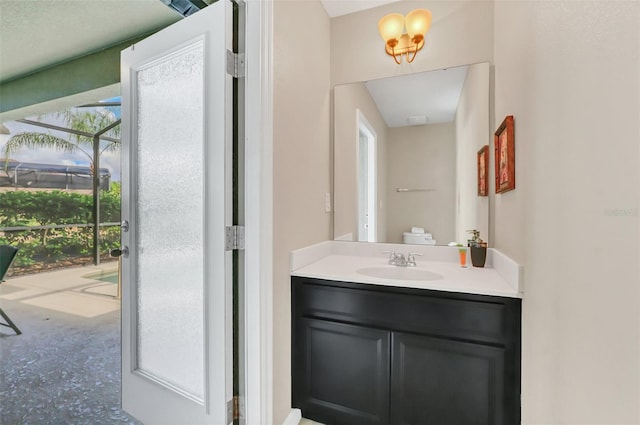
(258,302)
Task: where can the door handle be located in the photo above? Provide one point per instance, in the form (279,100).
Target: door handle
(122,251)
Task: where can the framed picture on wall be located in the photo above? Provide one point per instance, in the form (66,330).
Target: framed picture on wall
(505,156)
(483,171)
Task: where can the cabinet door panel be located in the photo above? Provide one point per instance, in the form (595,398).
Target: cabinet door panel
(439,381)
(341,373)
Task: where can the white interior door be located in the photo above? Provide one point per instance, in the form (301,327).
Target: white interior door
(176,302)
(363,187)
(367,180)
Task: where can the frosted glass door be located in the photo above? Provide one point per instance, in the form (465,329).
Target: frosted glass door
(176,276)
(170,215)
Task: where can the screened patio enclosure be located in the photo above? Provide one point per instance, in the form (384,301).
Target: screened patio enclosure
(22,175)
(53,206)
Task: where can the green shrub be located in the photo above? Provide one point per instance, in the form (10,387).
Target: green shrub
(26,208)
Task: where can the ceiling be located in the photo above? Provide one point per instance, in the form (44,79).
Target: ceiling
(433,94)
(36,34)
(343,7)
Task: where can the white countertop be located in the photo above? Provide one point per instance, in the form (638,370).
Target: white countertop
(340,261)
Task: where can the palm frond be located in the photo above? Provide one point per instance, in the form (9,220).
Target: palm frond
(89,122)
(31,140)
(115,132)
(111,147)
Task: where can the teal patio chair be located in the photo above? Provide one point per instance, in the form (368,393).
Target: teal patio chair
(7,255)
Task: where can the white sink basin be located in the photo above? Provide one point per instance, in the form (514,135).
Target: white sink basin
(399,273)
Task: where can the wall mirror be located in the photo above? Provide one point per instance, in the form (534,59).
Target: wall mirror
(405,157)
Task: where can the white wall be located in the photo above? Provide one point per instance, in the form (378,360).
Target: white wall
(422,157)
(347,99)
(461,33)
(472,133)
(301,156)
(569,73)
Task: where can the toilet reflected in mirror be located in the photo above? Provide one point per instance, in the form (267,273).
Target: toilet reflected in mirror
(417,236)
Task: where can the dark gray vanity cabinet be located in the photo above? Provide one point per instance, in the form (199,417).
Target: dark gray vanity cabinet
(372,354)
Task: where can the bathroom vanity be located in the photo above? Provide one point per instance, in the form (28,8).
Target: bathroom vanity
(387,350)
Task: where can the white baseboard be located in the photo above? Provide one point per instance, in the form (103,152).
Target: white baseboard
(294,417)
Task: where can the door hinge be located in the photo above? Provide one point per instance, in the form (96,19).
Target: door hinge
(234,238)
(234,409)
(235,64)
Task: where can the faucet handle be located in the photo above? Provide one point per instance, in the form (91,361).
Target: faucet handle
(392,256)
(411,259)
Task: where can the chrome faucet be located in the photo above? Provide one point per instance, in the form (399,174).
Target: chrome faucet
(396,259)
(399,260)
(392,257)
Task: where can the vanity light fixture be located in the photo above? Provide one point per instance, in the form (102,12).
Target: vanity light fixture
(391,27)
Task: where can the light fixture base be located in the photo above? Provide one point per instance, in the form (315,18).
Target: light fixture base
(404,46)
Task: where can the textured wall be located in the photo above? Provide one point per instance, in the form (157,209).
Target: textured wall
(301,163)
(472,132)
(569,73)
(422,157)
(461,33)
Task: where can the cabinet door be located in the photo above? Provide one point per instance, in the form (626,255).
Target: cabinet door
(445,382)
(341,372)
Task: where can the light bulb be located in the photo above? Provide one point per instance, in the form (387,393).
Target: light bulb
(418,22)
(391,26)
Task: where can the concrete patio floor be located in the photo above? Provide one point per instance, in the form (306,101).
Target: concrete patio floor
(65,367)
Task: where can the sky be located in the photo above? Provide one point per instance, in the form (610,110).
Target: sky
(110,160)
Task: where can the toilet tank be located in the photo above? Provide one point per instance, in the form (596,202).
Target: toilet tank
(418,238)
